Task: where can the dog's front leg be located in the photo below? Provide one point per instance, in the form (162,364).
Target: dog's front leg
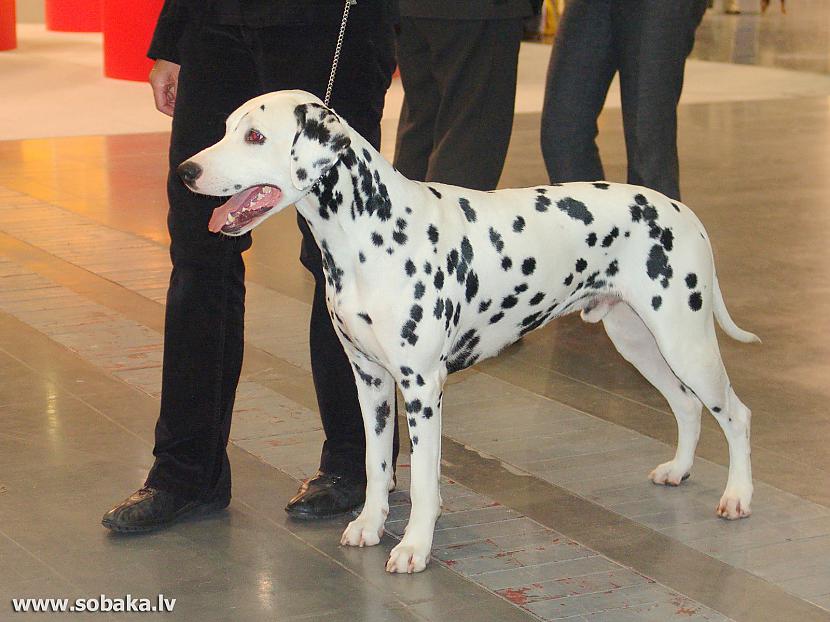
(376,393)
(422,396)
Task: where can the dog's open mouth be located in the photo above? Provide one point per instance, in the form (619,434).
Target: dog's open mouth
(243,207)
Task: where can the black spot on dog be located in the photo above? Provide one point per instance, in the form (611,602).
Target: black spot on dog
(399,236)
(601,185)
(438,281)
(575,209)
(469,212)
(419,380)
(495,240)
(435,192)
(381,416)
(452,261)
(427,413)
(484,305)
(591,240)
(383,466)
(518,224)
(427,268)
(658,264)
(420,288)
(609,239)
(361,257)
(520,288)
(413,407)
(675,206)
(667,239)
(581,264)
(408,332)
(542,203)
(528,266)
(438,311)
(716,409)
(413,422)
(301,174)
(365,317)
(537,298)
(410,268)
(568,279)
(691,280)
(636,213)
(498,316)
(509,301)
(432,234)
(472,286)
(407,371)
(656,301)
(506,263)
(613,268)
(695,301)
(377,239)
(640,199)
(416,312)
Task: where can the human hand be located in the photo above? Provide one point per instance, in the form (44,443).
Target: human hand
(164,78)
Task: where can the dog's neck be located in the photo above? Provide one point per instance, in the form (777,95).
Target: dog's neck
(359,205)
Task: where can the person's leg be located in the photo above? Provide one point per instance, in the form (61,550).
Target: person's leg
(205,301)
(582,65)
(416,127)
(655,39)
(474,63)
(203,334)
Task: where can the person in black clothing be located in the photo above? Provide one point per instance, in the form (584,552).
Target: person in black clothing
(210,58)
(647,42)
(458,62)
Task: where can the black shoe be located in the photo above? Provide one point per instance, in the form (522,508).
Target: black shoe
(326,496)
(150,508)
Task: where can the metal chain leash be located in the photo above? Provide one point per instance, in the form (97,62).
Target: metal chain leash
(337,49)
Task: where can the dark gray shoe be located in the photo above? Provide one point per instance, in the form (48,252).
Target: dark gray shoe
(150,508)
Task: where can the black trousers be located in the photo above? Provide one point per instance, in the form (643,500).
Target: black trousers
(647,41)
(222,67)
(459,78)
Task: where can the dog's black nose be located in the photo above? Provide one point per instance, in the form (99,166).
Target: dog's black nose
(189,171)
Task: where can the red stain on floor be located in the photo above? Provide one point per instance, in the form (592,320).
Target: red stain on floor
(517,596)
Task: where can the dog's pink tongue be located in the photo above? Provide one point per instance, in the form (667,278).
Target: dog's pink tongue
(220,214)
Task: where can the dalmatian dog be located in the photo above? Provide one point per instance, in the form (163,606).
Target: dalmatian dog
(425,279)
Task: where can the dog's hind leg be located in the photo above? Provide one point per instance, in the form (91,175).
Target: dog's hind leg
(691,350)
(634,341)
(376,393)
(422,395)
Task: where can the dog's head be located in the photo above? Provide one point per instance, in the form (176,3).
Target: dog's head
(276,146)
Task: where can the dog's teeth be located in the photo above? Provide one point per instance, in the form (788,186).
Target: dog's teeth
(266,190)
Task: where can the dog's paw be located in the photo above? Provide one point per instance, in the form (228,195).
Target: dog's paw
(734,504)
(408,558)
(362,531)
(669,474)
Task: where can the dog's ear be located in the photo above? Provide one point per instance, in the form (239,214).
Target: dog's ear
(320,141)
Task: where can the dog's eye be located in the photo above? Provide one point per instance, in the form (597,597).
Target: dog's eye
(254,137)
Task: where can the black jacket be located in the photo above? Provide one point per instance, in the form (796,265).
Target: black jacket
(176,14)
(470,9)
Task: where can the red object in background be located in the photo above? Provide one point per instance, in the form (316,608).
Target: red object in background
(128,29)
(73,15)
(8,25)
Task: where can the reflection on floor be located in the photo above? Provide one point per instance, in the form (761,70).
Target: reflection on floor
(548,514)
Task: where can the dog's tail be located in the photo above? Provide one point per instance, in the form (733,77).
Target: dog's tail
(725,320)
